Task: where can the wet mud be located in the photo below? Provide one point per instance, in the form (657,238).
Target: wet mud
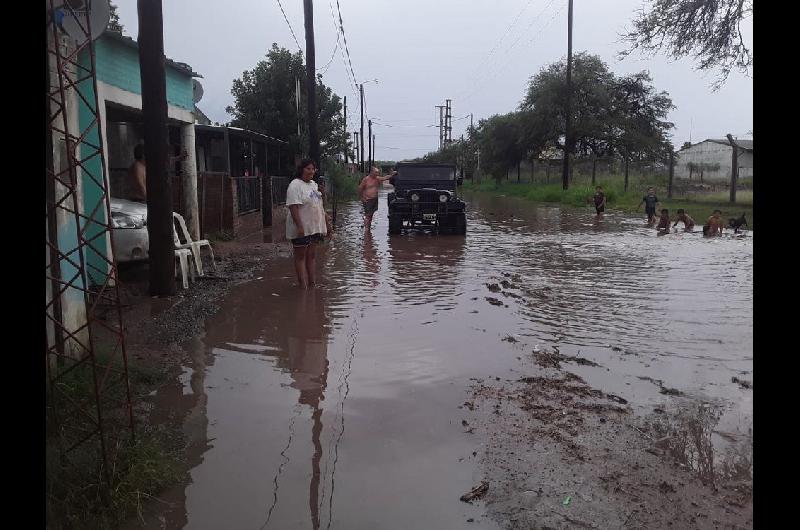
(551,370)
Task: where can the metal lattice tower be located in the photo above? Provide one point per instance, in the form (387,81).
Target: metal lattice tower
(88,394)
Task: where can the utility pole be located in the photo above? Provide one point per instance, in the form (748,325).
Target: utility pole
(313,132)
(441,125)
(369,143)
(671,171)
(470,123)
(568,106)
(734,167)
(478,168)
(356,144)
(448,131)
(345,130)
(361,163)
(373,149)
(154,112)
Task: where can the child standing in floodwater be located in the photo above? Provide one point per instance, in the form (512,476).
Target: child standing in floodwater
(599,201)
(650,202)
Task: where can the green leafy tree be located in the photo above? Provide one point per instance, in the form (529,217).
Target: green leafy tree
(113,23)
(710,31)
(640,129)
(264,101)
(501,142)
(611,115)
(592,107)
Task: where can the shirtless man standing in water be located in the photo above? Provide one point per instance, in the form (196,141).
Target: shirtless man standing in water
(368,190)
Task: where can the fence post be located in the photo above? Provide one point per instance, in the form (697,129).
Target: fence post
(671,172)
(626,174)
(594,170)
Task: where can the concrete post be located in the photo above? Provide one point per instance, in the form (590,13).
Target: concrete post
(190,181)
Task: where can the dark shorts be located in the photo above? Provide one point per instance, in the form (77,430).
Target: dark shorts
(307,240)
(650,211)
(370,206)
(600,209)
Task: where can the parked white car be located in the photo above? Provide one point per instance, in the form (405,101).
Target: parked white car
(131,242)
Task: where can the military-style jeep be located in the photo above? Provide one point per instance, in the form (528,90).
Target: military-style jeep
(424,196)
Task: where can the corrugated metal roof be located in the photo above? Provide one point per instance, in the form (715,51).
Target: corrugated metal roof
(221,128)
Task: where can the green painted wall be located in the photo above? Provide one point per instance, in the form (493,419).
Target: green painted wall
(118,65)
(92,181)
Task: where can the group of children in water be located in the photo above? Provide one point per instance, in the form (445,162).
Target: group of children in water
(713,226)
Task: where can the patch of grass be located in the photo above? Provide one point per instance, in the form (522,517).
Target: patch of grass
(345,184)
(699,207)
(78,495)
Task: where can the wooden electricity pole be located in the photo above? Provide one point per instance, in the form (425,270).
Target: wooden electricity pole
(345,130)
(311,85)
(568,106)
(361,136)
(160,226)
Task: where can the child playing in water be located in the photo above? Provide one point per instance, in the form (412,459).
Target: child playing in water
(663,221)
(688,222)
(713,226)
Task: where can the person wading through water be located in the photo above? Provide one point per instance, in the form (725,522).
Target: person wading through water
(307,223)
(368,190)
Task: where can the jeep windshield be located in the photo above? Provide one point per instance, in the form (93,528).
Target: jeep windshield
(417,173)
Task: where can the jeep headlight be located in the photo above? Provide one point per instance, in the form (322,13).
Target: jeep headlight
(415,197)
(443,197)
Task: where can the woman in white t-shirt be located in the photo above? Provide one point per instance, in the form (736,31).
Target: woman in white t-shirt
(306,224)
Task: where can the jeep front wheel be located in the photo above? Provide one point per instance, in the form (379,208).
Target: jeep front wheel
(460,224)
(395,224)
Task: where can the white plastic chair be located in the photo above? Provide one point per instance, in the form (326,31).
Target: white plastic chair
(194,246)
(182,255)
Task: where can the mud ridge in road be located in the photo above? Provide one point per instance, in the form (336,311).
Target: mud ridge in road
(561,454)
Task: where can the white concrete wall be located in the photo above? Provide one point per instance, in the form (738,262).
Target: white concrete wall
(712,153)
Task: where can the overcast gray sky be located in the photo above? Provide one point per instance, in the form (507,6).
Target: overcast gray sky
(479,53)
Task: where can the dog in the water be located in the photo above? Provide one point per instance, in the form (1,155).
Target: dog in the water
(736,224)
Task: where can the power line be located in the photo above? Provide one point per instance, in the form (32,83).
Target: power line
(325,68)
(344,36)
(290,25)
(502,37)
(351,81)
(409,148)
(497,68)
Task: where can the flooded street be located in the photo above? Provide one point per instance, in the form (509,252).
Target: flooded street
(343,407)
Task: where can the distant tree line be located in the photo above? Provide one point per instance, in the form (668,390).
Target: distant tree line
(612,115)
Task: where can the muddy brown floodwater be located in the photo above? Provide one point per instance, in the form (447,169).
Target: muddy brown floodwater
(593,374)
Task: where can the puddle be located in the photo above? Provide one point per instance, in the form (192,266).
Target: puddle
(342,407)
